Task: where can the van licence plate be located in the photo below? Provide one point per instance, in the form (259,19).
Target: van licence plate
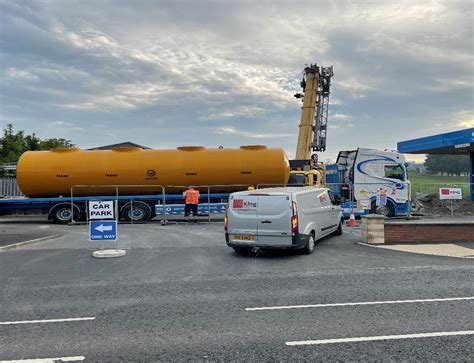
(243,237)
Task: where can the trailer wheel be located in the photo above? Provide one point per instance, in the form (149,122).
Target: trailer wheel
(136,212)
(62,213)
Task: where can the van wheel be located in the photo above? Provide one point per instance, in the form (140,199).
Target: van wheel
(339,229)
(309,248)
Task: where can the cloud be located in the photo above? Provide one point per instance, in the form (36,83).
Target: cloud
(340,116)
(464,118)
(233,131)
(150,72)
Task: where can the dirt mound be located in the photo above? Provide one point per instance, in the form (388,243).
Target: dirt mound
(424,204)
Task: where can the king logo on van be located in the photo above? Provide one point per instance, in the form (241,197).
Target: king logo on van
(242,204)
(250,205)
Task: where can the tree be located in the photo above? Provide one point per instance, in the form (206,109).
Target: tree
(53,143)
(452,164)
(13,144)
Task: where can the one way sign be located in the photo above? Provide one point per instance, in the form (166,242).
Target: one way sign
(103,231)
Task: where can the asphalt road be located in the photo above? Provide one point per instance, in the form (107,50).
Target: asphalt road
(180,294)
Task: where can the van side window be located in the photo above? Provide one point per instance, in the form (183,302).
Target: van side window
(394,172)
(333,198)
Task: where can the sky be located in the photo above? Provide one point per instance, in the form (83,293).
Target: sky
(171,73)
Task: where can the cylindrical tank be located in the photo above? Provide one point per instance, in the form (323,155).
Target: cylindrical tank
(53,173)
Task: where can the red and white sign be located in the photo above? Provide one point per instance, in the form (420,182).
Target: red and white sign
(238,203)
(450,193)
(244,204)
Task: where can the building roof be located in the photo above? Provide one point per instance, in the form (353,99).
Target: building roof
(456,142)
(120,144)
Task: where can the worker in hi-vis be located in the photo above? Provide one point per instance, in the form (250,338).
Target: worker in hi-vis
(191,200)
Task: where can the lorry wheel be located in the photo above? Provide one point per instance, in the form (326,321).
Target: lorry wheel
(62,213)
(136,212)
(309,248)
(384,210)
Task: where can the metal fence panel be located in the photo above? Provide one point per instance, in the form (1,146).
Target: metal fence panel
(9,187)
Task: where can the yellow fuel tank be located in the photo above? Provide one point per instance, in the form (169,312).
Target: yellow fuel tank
(53,173)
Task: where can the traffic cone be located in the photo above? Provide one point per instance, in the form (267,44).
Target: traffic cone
(352,221)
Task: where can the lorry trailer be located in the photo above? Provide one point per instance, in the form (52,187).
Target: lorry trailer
(60,182)
(53,173)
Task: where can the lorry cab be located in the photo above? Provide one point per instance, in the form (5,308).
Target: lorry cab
(281,218)
(377,175)
(305,178)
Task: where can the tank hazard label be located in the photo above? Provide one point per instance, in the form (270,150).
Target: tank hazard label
(101,209)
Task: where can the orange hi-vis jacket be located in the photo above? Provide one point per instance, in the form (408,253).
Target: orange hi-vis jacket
(192,196)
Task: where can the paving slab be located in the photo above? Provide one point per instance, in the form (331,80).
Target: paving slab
(437,249)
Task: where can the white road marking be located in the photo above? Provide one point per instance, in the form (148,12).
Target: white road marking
(359,303)
(46,360)
(44,321)
(381,337)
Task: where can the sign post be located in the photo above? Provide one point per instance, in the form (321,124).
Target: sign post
(450,194)
(103,227)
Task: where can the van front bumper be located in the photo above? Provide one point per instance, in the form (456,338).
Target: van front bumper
(298,241)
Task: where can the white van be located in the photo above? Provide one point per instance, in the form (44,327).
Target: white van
(291,217)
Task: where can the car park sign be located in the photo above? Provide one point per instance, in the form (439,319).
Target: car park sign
(450,193)
(103,231)
(101,209)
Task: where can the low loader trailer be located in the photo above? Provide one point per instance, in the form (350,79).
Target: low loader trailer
(136,208)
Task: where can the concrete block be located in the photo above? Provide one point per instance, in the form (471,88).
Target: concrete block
(376,228)
(373,229)
(375,234)
(364,235)
(376,241)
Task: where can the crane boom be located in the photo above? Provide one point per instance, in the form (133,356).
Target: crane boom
(309,84)
(321,119)
(314,113)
